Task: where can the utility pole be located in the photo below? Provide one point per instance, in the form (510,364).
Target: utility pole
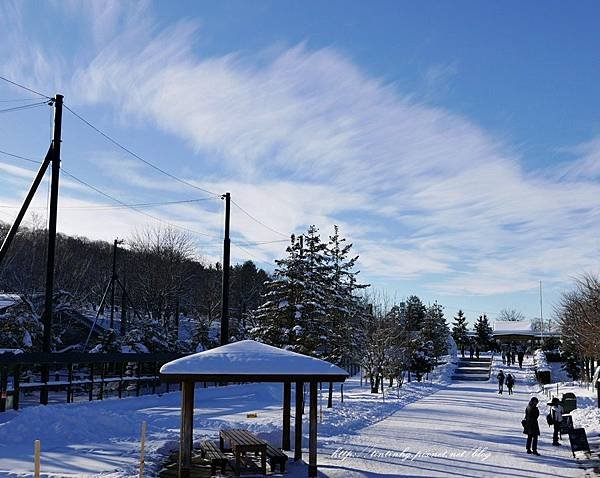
(226,260)
(541,313)
(48,306)
(113,282)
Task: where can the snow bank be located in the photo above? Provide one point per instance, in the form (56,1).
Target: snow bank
(539,359)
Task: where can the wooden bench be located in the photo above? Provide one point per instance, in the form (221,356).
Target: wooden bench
(211,452)
(242,442)
(276,457)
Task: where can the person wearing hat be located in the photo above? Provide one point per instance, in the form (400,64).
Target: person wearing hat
(556,412)
(531,427)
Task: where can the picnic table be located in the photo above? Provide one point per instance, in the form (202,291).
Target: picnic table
(242,442)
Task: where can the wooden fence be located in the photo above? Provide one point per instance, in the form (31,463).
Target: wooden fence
(96,375)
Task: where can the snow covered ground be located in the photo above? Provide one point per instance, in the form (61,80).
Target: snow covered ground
(102,438)
(463,429)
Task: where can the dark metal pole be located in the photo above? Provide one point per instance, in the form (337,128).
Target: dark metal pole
(48,309)
(226,260)
(123,327)
(33,188)
(113,283)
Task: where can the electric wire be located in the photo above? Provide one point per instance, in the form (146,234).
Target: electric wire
(258,221)
(138,157)
(99,191)
(24,87)
(23,107)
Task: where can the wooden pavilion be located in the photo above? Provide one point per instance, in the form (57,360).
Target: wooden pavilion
(250,361)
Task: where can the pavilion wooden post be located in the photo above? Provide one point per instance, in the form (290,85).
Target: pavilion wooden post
(287,398)
(186,441)
(298,422)
(312,434)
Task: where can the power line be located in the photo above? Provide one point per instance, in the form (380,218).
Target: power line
(138,157)
(15,100)
(251,255)
(261,243)
(20,157)
(99,191)
(120,206)
(24,87)
(23,107)
(124,205)
(258,221)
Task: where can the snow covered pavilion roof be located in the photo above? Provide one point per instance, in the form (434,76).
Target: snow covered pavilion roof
(509,327)
(250,361)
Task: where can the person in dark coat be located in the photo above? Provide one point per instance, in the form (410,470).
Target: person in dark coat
(520,355)
(531,427)
(510,383)
(477,350)
(471,350)
(500,378)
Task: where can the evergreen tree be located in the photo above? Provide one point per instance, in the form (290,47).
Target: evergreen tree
(483,332)
(435,330)
(459,331)
(275,320)
(311,331)
(343,305)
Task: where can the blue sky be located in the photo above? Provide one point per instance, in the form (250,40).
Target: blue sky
(457,144)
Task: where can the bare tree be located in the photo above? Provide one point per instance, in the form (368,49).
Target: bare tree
(510,315)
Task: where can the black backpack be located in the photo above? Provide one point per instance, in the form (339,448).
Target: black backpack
(550,419)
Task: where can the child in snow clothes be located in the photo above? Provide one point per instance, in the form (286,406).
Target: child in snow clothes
(531,427)
(556,411)
(500,378)
(510,382)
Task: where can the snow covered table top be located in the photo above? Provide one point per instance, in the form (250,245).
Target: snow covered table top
(251,361)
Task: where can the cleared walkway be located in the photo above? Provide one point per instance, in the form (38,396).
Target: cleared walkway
(464,430)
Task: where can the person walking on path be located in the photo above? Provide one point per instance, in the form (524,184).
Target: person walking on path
(556,412)
(477,350)
(510,383)
(500,378)
(531,427)
(503,357)
(471,350)
(520,355)
(513,352)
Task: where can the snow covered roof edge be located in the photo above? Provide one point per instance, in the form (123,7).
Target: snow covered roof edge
(508,327)
(250,358)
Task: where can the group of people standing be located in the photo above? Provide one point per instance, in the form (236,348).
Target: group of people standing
(510,351)
(508,379)
(531,427)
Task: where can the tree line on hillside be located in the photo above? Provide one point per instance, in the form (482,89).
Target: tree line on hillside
(163,277)
(312,303)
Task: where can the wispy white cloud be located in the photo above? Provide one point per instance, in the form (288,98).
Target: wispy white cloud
(306,136)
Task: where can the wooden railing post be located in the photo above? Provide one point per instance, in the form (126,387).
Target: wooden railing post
(16,386)
(91,394)
(3,387)
(139,379)
(70,386)
(121,368)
